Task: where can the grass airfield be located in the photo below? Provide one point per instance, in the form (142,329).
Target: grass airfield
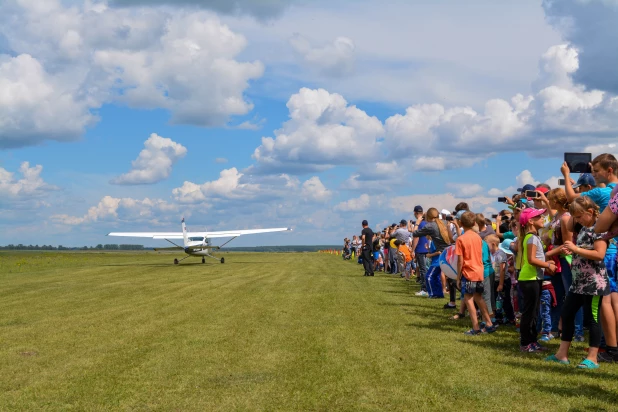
(301,331)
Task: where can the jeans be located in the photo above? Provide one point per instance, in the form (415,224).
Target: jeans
(545,314)
(531,291)
(392,259)
(421,261)
(572,305)
(567,279)
(434,282)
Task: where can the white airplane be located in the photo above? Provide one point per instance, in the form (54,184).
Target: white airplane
(196,243)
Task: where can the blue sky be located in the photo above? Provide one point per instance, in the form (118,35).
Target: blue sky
(314,115)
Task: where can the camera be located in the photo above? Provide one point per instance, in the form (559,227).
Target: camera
(532,194)
(561,182)
(502,199)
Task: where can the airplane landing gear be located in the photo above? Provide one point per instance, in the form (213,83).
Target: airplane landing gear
(222,260)
(203,260)
(175,261)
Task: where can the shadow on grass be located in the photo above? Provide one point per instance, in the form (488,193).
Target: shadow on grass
(590,391)
(563,370)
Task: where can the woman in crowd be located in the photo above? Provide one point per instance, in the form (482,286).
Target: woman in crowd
(559,233)
(590,282)
(441,238)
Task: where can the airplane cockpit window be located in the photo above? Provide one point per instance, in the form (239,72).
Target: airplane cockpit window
(196,239)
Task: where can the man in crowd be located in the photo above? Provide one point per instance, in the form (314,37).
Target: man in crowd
(367,251)
(420,246)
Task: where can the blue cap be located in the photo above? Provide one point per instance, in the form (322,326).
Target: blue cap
(460,214)
(585,179)
(418,209)
(526,188)
(505,246)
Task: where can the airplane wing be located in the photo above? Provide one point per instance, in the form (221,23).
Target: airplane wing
(236,233)
(209,235)
(151,235)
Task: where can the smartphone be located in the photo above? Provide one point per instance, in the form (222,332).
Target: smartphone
(502,199)
(494,216)
(561,182)
(532,194)
(449,218)
(578,162)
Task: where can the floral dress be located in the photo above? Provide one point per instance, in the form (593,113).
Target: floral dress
(589,276)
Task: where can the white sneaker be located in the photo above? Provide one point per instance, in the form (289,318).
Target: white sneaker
(422,293)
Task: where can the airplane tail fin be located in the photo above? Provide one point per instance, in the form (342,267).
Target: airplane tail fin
(184,233)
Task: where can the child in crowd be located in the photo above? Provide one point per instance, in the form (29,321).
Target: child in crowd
(405,259)
(509,304)
(434,273)
(469,250)
(488,280)
(498,260)
(590,282)
(532,263)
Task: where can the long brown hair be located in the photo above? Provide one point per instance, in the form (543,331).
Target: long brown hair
(432,215)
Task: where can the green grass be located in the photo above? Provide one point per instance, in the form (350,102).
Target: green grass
(130,331)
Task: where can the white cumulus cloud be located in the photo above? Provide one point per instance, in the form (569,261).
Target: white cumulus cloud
(66,61)
(227,186)
(323,131)
(314,190)
(30,185)
(465,189)
(154,162)
(119,209)
(335,59)
(35,105)
(357,204)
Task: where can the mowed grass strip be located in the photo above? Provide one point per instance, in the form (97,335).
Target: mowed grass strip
(131,331)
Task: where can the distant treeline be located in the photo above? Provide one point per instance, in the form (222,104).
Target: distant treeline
(60,247)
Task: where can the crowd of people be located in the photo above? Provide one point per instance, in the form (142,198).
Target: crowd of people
(546,264)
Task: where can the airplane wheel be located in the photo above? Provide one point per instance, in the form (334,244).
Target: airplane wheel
(222,260)
(175,261)
(203,260)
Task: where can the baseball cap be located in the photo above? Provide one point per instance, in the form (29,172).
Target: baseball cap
(525,188)
(542,189)
(365,223)
(529,213)
(505,246)
(403,222)
(460,214)
(418,209)
(445,212)
(585,179)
